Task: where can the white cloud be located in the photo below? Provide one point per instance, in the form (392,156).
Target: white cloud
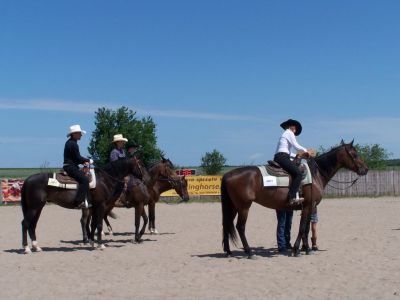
(256,156)
(90,107)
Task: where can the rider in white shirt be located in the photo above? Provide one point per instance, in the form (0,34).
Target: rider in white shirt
(287,143)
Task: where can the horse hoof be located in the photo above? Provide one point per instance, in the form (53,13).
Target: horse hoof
(252,256)
(229,254)
(27,250)
(35,247)
(101,247)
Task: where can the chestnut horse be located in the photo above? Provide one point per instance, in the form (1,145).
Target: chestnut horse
(36,192)
(240,187)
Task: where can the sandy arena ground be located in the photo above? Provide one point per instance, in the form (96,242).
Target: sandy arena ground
(359,257)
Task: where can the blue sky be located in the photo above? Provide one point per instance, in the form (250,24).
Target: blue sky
(212,74)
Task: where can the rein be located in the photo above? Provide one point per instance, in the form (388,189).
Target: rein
(352,182)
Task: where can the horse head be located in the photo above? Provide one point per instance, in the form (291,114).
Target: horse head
(350,159)
(181,188)
(164,169)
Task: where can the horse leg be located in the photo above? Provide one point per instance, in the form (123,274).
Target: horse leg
(241,227)
(152,218)
(32,231)
(109,228)
(138,213)
(145,221)
(28,226)
(99,224)
(306,245)
(304,224)
(85,225)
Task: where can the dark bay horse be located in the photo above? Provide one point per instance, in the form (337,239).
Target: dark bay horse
(140,193)
(179,184)
(240,187)
(36,192)
(137,195)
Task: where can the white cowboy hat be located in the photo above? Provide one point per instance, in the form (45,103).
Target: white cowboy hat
(119,138)
(75,128)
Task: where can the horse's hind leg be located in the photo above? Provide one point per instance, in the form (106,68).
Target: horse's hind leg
(241,227)
(29,226)
(32,231)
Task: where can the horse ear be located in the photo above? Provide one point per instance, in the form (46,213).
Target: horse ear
(341,142)
(163,158)
(351,143)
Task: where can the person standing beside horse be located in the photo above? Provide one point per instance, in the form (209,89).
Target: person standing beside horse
(287,142)
(72,160)
(283,229)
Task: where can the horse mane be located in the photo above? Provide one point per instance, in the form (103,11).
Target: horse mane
(325,160)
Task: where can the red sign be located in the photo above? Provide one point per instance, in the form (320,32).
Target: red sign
(186,172)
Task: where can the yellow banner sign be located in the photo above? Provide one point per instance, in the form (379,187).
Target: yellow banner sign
(200,186)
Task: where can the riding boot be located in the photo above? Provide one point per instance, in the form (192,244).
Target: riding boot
(314,246)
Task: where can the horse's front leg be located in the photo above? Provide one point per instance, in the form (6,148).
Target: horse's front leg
(152,217)
(97,224)
(138,213)
(145,221)
(304,226)
(85,224)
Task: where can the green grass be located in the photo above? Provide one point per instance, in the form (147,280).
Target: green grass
(23,172)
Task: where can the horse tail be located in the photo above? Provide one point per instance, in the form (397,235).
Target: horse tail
(228,215)
(24,199)
(112,214)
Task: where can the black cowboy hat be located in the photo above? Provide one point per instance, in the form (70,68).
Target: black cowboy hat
(292,122)
(131,144)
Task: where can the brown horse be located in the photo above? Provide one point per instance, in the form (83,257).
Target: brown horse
(137,196)
(140,193)
(36,193)
(242,186)
(162,185)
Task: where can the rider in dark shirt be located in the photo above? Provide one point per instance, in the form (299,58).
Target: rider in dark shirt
(72,159)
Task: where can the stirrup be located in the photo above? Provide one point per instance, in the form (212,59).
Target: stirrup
(296,201)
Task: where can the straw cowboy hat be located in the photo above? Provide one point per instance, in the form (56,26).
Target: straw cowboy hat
(119,138)
(292,122)
(75,128)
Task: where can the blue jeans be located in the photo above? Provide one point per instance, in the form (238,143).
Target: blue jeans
(283,228)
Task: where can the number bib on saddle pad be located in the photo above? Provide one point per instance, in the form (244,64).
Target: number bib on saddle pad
(65,182)
(269,180)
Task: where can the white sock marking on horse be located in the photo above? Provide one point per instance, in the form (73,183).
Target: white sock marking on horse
(35,247)
(27,250)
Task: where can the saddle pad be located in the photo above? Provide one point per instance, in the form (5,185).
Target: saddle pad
(271,181)
(72,186)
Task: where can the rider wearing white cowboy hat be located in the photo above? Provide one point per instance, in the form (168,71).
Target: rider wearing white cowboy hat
(118,152)
(72,160)
(288,142)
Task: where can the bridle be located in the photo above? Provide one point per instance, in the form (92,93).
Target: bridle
(352,182)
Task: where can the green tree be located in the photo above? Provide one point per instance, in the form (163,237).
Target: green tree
(212,162)
(123,121)
(373,155)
